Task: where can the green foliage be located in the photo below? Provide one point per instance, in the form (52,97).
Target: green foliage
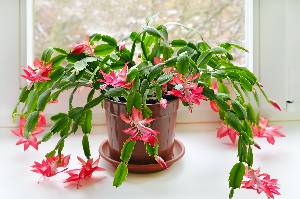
(86,146)
(127,150)
(87,124)
(236,175)
(43,100)
(151,82)
(182,64)
(178,43)
(120,174)
(46,55)
(24,94)
(82,64)
(165,78)
(31,123)
(94,102)
(104,49)
(134,99)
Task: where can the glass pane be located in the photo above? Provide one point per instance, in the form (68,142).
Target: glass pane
(61,23)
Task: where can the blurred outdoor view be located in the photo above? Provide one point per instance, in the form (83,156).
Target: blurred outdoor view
(61,23)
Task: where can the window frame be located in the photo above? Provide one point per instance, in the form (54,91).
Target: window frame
(200,114)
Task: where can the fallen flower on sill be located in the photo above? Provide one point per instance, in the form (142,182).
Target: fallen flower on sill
(86,171)
(265,130)
(261,182)
(49,166)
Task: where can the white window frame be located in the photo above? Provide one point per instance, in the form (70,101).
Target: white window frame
(19,30)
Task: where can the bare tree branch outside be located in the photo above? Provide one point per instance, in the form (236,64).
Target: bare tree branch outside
(64,22)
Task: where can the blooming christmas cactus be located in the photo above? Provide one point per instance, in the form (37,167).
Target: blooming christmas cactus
(145,68)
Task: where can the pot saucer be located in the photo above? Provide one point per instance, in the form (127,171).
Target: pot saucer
(178,152)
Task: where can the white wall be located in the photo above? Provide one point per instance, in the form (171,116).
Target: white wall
(278,65)
(9,58)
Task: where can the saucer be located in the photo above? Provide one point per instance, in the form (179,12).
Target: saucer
(178,152)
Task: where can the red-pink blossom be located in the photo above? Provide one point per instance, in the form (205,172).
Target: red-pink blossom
(225,130)
(139,130)
(82,47)
(213,106)
(275,104)
(157,60)
(38,73)
(115,79)
(163,103)
(161,162)
(122,46)
(263,129)
(32,140)
(168,70)
(49,167)
(185,89)
(86,171)
(261,182)
(214,85)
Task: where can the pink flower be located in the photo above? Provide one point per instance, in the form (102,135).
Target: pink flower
(261,182)
(168,70)
(215,86)
(275,105)
(32,140)
(161,162)
(122,46)
(213,106)
(264,130)
(83,47)
(115,79)
(42,120)
(225,130)
(157,60)
(86,171)
(38,73)
(163,103)
(49,166)
(186,89)
(139,131)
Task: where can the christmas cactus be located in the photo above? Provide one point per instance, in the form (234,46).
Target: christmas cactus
(145,67)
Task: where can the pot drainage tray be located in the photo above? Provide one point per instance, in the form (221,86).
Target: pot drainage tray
(178,152)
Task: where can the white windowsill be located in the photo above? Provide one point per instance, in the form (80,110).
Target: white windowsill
(203,171)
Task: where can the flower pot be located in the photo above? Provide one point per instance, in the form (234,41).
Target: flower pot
(165,121)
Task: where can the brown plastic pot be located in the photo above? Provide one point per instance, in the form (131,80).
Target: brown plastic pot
(165,120)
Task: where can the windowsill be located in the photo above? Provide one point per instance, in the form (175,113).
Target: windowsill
(203,171)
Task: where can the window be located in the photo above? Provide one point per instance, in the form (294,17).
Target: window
(61,23)
(64,22)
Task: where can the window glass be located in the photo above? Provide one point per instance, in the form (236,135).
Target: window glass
(61,23)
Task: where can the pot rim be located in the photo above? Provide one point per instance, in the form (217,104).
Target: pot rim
(123,103)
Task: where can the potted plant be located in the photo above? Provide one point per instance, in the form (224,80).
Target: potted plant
(140,82)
